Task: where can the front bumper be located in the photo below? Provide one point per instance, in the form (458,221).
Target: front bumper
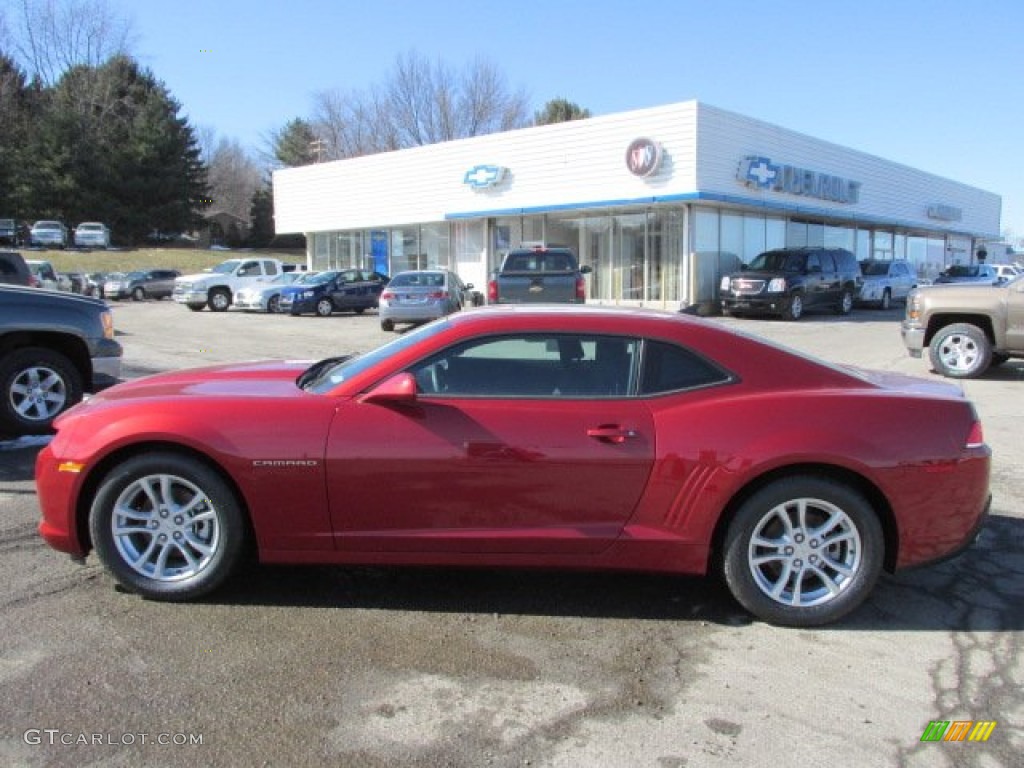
(913,339)
(189,296)
(767,303)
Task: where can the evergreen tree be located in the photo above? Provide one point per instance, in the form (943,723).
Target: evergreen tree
(560,111)
(296,144)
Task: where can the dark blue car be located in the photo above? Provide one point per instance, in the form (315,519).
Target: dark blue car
(347,290)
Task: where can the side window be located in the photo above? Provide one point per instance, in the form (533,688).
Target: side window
(828,264)
(249,269)
(813,263)
(668,368)
(270,268)
(532,366)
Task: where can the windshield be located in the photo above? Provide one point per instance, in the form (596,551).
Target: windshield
(46,225)
(135,275)
(334,375)
(89,227)
(777,261)
(226,267)
(319,278)
(874,268)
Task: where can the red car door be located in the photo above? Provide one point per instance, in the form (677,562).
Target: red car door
(558,474)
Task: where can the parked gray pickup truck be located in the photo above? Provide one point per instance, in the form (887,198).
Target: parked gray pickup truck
(966,328)
(536,275)
(53,346)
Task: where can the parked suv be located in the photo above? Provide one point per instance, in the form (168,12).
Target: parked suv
(8,232)
(885,281)
(13,269)
(787,281)
(148,284)
(53,347)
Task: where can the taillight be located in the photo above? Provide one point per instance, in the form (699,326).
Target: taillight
(581,289)
(976,437)
(492,291)
(438,295)
(387,295)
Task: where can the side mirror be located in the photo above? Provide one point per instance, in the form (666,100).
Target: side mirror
(586,269)
(469,286)
(399,389)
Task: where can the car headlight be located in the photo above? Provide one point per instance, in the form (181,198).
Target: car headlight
(777,285)
(724,285)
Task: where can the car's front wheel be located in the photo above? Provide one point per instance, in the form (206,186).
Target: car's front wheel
(167,526)
(324,307)
(803,551)
(886,301)
(37,385)
(960,351)
(139,294)
(274,304)
(219,300)
(794,308)
(845,305)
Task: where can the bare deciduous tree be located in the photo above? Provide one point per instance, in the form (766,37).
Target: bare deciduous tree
(420,103)
(52,36)
(233,177)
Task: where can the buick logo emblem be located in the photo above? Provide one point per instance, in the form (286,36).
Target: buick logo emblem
(643,157)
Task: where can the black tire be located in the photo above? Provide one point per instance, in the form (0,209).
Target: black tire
(139,294)
(37,385)
(324,307)
(219,300)
(845,305)
(794,308)
(274,304)
(196,307)
(802,587)
(387,325)
(960,351)
(180,550)
(886,302)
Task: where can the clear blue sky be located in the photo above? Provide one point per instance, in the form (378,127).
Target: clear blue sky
(933,84)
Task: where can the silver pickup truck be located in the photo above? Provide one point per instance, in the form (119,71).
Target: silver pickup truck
(539,275)
(966,328)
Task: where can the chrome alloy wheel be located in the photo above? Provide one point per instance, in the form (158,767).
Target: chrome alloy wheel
(38,393)
(959,352)
(804,552)
(165,527)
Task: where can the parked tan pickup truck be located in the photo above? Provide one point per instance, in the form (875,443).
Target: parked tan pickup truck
(966,328)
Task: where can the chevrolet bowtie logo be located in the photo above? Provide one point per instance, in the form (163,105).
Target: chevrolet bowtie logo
(484,176)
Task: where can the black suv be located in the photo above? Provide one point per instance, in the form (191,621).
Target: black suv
(13,269)
(787,281)
(53,347)
(8,232)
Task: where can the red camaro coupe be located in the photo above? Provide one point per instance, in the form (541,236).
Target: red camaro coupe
(579,437)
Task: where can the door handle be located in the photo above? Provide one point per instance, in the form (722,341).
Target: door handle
(612,433)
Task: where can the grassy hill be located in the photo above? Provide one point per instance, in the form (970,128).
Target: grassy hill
(187,260)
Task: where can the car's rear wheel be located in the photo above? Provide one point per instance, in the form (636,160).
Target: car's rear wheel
(803,551)
(324,307)
(960,351)
(886,302)
(219,300)
(387,325)
(167,526)
(38,384)
(196,307)
(794,308)
(139,294)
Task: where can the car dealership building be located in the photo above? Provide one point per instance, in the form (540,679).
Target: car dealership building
(659,202)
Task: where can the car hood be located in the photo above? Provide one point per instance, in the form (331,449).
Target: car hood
(754,274)
(253,379)
(916,385)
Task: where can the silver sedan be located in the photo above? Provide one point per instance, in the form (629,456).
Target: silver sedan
(420,295)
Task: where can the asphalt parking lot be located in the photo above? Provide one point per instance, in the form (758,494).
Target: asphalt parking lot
(441,667)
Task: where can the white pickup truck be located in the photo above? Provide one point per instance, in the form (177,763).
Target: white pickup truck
(216,287)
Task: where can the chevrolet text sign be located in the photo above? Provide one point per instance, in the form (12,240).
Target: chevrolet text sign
(761,173)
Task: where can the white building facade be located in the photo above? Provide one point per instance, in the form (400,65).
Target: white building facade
(659,202)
